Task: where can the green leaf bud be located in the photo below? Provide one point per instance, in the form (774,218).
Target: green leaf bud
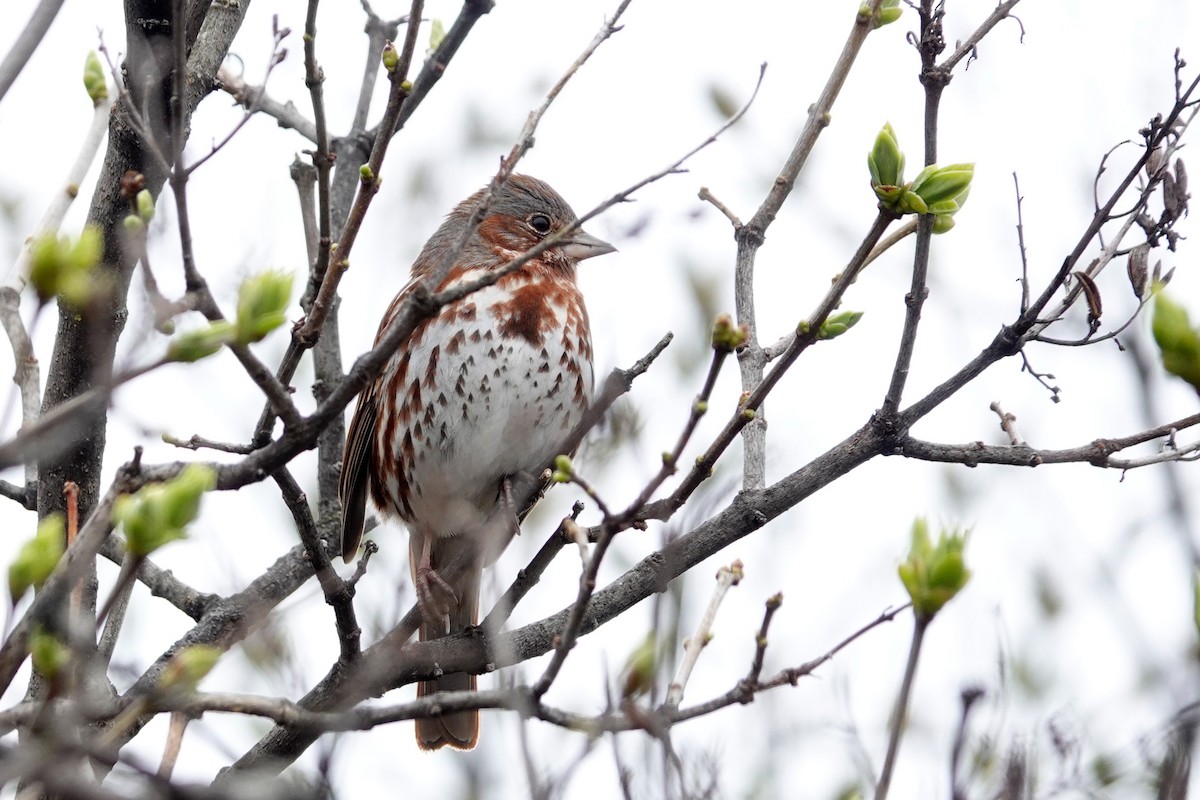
(50,656)
(195,345)
(839,323)
(145,205)
(885,160)
(889,12)
(61,266)
(390,57)
(1178,341)
(158,513)
(888,15)
(437,32)
(933,574)
(637,676)
(943,223)
(181,495)
(93,78)
(727,337)
(188,667)
(37,558)
(262,305)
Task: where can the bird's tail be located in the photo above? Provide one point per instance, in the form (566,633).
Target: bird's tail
(459,730)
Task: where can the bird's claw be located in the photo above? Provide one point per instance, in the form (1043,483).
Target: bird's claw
(435,597)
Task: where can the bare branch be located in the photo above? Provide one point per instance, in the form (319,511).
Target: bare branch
(1097,453)
(28,41)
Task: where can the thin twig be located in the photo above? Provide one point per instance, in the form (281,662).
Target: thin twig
(699,407)
(256,99)
(708,197)
(1021,245)
(322,158)
(28,41)
(967,48)
(338,593)
(175,730)
(695,644)
(195,442)
(114,609)
(900,715)
(278,53)
(1008,423)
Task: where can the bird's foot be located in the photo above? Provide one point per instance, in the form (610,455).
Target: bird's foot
(435,597)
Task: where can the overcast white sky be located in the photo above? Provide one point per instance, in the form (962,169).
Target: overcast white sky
(1046,108)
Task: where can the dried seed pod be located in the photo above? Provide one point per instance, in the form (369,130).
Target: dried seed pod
(1171,199)
(1136,268)
(1181,184)
(1153,162)
(1092,294)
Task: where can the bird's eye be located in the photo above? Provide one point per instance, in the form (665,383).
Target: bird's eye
(540,223)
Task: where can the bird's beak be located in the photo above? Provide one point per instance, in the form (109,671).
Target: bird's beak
(581,244)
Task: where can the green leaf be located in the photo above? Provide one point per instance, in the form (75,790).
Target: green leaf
(912,203)
(937,184)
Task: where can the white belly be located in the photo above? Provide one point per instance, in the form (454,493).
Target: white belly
(495,401)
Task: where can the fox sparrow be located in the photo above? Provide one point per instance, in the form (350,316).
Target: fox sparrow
(478,399)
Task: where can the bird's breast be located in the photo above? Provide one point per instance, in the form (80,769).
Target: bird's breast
(489,388)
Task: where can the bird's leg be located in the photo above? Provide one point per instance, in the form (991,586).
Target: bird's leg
(508,505)
(434,595)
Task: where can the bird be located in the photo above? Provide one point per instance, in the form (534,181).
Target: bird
(451,436)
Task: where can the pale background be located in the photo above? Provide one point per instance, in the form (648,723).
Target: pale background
(1109,669)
